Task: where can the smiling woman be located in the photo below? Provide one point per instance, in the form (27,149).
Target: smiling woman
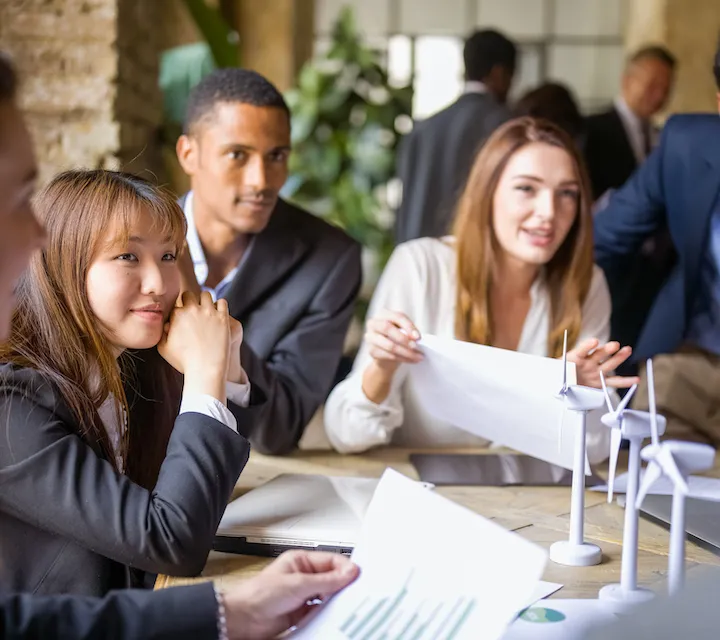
(517,272)
(88,408)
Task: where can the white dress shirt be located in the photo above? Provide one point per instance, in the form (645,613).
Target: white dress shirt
(239,393)
(420,281)
(191,402)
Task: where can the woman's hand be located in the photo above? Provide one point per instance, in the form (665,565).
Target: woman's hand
(590,358)
(196,342)
(392,340)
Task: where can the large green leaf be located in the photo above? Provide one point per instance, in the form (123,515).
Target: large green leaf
(217,33)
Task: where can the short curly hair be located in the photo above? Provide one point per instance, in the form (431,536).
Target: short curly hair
(230,85)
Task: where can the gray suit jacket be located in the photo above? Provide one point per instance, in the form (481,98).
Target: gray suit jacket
(434,161)
(181,613)
(70,523)
(294,294)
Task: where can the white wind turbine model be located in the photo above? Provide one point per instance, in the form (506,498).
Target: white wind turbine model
(575,551)
(676,460)
(634,426)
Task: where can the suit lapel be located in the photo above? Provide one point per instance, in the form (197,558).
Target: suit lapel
(622,135)
(701,206)
(271,256)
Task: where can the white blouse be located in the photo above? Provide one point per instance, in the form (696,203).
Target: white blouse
(420,281)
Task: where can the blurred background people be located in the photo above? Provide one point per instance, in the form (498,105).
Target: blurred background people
(555,102)
(435,158)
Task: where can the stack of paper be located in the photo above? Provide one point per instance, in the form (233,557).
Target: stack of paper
(430,569)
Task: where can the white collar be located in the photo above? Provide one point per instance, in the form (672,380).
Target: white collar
(475,86)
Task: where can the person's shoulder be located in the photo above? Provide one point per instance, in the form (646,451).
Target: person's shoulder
(313,228)
(29,384)
(426,251)
(695,124)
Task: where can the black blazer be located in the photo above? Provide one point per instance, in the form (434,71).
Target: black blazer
(609,154)
(434,160)
(182,613)
(294,294)
(70,523)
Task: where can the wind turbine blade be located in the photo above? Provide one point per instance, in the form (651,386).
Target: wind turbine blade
(673,471)
(560,427)
(564,384)
(650,477)
(608,402)
(624,402)
(615,440)
(651,396)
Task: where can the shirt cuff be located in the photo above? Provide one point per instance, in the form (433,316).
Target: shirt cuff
(209,406)
(239,392)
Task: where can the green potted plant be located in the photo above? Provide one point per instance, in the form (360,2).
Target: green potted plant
(346,117)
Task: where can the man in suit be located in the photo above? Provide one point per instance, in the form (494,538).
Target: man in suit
(620,138)
(262,606)
(678,186)
(434,159)
(289,277)
(618,141)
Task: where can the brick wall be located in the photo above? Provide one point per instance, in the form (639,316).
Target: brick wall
(89,72)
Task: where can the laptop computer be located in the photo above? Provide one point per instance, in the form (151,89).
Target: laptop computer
(296,511)
(702,518)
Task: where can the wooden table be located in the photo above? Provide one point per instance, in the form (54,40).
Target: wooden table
(539,514)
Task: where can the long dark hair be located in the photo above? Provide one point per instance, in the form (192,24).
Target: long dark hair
(55,332)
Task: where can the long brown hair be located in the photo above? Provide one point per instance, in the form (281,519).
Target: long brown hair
(55,331)
(569,272)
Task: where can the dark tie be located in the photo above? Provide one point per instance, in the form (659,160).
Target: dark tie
(646,129)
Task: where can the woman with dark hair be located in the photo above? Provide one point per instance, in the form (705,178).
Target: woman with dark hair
(554,101)
(102,479)
(516,274)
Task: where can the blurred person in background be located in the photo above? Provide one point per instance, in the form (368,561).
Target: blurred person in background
(678,187)
(619,140)
(555,102)
(435,158)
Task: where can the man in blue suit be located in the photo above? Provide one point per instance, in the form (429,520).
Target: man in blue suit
(678,186)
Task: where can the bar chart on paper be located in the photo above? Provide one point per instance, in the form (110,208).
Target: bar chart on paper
(407,614)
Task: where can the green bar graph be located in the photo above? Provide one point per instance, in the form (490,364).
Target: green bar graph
(401,616)
(458,625)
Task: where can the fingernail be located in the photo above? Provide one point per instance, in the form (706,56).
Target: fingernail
(416,335)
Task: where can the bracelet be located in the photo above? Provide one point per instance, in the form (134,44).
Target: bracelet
(221,619)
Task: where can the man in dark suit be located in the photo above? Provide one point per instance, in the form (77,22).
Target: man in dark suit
(289,277)
(263,606)
(620,138)
(618,141)
(678,186)
(435,158)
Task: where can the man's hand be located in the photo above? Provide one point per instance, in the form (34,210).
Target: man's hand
(277,598)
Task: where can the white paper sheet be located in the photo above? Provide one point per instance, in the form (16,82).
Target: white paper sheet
(433,567)
(700,487)
(559,620)
(504,396)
